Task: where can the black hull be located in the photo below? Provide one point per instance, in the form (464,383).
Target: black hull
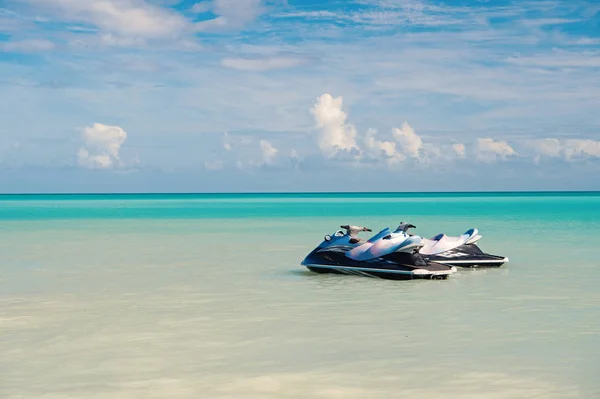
(376,274)
(470,256)
(396,266)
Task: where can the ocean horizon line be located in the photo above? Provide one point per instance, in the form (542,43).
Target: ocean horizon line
(291,193)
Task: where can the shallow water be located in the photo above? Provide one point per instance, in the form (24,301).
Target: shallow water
(203,296)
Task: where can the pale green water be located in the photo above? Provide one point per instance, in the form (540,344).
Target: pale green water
(203,296)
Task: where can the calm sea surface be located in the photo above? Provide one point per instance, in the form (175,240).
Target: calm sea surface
(203,296)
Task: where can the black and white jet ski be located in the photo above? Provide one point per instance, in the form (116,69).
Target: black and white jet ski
(388,254)
(459,251)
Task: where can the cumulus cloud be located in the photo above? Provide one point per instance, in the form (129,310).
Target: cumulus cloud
(336,134)
(569,149)
(581,148)
(547,147)
(386,148)
(544,147)
(410,142)
(489,150)
(268,152)
(378,149)
(101,146)
(226,143)
(339,139)
(244,152)
(459,149)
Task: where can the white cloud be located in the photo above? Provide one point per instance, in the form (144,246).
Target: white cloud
(309,14)
(581,148)
(268,152)
(101,146)
(201,7)
(381,151)
(544,147)
(232,14)
(410,142)
(560,58)
(489,150)
(110,39)
(568,149)
(211,24)
(241,152)
(335,133)
(30,45)
(387,74)
(376,148)
(262,64)
(226,142)
(238,10)
(459,149)
(136,18)
(213,165)
(391,13)
(547,147)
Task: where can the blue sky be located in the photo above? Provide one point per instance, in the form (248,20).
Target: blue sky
(250,95)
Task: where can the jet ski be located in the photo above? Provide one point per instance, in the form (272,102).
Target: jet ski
(388,254)
(459,251)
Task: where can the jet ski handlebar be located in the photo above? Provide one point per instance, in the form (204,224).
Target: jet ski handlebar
(405,226)
(354,230)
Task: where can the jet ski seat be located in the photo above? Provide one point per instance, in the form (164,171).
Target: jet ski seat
(441,242)
(418,259)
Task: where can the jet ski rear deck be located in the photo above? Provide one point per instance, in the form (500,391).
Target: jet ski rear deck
(468,255)
(459,251)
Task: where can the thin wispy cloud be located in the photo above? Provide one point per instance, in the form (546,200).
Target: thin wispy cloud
(365,84)
(27,46)
(137,18)
(264,63)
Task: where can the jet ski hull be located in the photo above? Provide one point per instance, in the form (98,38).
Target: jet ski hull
(467,255)
(378,273)
(396,266)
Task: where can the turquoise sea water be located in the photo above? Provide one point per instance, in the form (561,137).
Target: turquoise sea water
(188,296)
